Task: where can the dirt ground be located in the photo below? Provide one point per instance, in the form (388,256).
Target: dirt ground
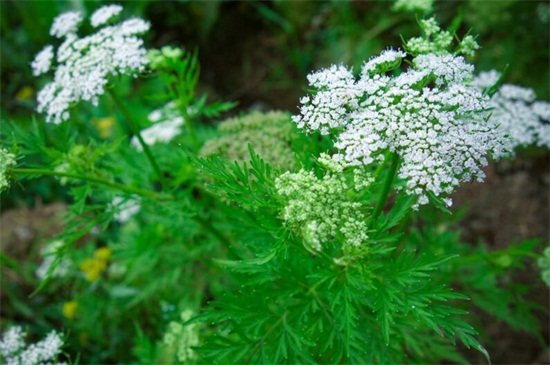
(510,206)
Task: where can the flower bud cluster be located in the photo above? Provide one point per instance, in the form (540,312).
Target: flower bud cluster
(438,41)
(515,109)
(414,6)
(7,162)
(14,350)
(84,64)
(183,338)
(429,114)
(320,209)
(270,135)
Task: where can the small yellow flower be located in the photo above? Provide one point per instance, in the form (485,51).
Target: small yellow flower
(105,126)
(93,268)
(69,309)
(103,253)
(25,94)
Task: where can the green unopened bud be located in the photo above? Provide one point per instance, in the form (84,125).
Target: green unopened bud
(468,46)
(7,162)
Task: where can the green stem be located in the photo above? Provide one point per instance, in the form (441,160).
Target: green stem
(95,180)
(135,130)
(385,189)
(189,127)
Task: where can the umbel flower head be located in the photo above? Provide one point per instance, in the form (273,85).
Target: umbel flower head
(429,115)
(269,133)
(82,65)
(525,120)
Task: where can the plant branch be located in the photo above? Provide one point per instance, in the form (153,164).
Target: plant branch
(135,130)
(95,180)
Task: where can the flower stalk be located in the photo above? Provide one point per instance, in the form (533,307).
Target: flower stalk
(135,130)
(95,180)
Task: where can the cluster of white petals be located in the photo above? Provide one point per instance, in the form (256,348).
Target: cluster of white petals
(84,65)
(66,24)
(15,351)
(104,14)
(168,122)
(43,61)
(125,208)
(515,109)
(429,115)
(12,341)
(49,253)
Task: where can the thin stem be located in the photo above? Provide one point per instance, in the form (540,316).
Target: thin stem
(189,127)
(95,180)
(135,130)
(385,189)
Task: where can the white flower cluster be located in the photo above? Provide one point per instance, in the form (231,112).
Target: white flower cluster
(13,351)
(168,123)
(49,253)
(318,208)
(429,115)
(515,109)
(125,208)
(84,65)
(7,162)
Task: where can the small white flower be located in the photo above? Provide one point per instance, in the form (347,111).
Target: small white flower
(134,26)
(43,61)
(65,24)
(388,57)
(161,132)
(167,125)
(125,208)
(49,253)
(104,14)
